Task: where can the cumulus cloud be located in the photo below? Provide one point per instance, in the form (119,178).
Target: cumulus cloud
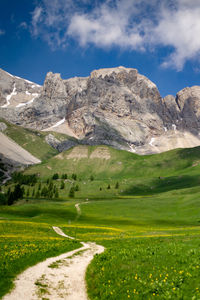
(137,25)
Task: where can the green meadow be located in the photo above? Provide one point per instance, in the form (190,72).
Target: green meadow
(145,211)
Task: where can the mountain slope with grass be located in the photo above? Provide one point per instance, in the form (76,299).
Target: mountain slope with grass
(42,145)
(143,209)
(136,175)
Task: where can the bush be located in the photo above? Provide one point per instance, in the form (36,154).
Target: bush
(3,199)
(64,176)
(74,176)
(55,176)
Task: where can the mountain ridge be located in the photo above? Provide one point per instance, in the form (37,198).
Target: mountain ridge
(117,107)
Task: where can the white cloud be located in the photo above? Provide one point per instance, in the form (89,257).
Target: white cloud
(2,32)
(23,25)
(181,30)
(128,24)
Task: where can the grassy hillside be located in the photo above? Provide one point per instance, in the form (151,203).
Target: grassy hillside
(122,164)
(136,175)
(31,140)
(149,223)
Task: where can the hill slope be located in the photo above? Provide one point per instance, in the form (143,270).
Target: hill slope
(137,175)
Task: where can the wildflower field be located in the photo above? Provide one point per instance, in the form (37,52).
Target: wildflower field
(149,224)
(23,244)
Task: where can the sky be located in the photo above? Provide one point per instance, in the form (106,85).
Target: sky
(160,38)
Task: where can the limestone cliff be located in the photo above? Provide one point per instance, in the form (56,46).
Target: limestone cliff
(117,107)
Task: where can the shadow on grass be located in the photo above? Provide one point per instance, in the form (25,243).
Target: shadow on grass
(163,184)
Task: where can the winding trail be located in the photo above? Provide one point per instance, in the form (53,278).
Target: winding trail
(60,277)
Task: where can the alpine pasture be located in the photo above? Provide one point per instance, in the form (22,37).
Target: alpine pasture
(144,210)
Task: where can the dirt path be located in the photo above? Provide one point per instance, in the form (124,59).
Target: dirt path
(78,209)
(61,277)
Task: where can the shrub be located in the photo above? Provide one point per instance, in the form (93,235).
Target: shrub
(55,176)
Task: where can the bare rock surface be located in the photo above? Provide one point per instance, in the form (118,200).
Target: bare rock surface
(14,152)
(117,107)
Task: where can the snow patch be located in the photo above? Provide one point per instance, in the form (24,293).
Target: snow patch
(59,123)
(10,96)
(131,148)
(165,129)
(27,93)
(151,142)
(35,95)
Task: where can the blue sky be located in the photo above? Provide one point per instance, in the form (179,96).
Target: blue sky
(160,38)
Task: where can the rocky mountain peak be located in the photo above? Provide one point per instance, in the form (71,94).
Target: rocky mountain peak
(111,71)
(53,86)
(116,106)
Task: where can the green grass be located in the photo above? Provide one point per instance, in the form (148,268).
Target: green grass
(161,268)
(150,225)
(24,244)
(32,140)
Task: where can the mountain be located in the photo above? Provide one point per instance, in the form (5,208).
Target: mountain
(117,107)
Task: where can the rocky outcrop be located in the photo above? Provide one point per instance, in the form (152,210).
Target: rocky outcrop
(3,126)
(116,106)
(16,92)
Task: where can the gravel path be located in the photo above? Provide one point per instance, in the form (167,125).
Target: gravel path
(61,277)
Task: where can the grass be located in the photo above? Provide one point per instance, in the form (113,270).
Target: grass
(33,140)
(23,244)
(161,268)
(150,225)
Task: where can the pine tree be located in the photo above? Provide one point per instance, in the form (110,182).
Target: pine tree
(117,185)
(74,176)
(76,188)
(27,193)
(62,185)
(44,191)
(56,195)
(71,192)
(108,187)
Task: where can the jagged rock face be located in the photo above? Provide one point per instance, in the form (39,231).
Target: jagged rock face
(117,107)
(188,101)
(122,105)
